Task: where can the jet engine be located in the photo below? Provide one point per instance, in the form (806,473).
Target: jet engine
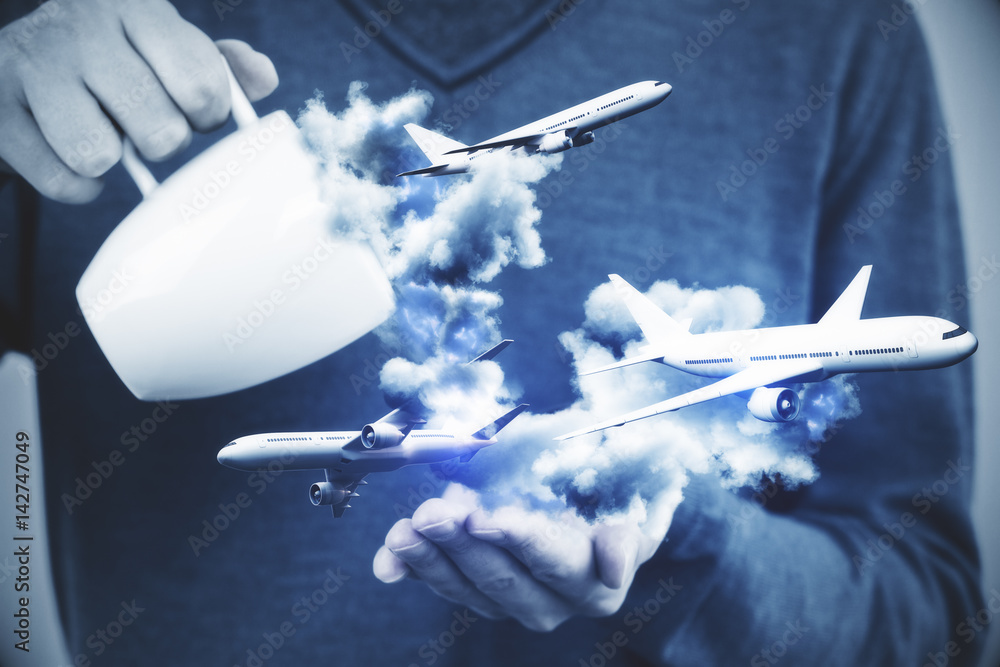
(325,493)
(380,435)
(583,139)
(779,404)
(555,143)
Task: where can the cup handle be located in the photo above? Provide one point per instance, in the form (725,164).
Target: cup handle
(243,114)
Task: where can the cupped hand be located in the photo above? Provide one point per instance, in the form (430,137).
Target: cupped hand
(536,568)
(73,73)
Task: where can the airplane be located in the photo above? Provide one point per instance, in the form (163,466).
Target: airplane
(553,134)
(348,457)
(764,364)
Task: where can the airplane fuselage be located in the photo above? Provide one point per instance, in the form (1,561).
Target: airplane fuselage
(341,450)
(596,113)
(561,131)
(764,364)
(878,344)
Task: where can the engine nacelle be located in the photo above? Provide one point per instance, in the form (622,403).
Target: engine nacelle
(774,405)
(583,139)
(380,435)
(555,143)
(325,493)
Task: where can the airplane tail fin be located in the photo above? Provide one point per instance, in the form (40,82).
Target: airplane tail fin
(658,327)
(848,305)
(491,429)
(433,145)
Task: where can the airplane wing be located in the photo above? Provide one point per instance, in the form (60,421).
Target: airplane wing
(513,142)
(655,355)
(426,170)
(745,380)
(412,412)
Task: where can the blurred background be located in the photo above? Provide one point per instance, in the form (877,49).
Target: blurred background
(964,45)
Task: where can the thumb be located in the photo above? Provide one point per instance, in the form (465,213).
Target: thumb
(616,552)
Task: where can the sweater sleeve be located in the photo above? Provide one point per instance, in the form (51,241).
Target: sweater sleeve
(876,562)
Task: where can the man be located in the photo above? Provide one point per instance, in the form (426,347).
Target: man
(768,166)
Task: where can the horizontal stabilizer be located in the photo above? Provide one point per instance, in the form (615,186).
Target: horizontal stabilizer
(491,429)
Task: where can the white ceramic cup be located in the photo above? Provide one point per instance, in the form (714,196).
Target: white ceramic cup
(227,275)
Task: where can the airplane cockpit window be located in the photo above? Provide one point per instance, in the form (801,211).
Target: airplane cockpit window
(230,444)
(953,333)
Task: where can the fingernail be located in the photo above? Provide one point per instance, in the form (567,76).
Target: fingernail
(489,534)
(440,530)
(406,548)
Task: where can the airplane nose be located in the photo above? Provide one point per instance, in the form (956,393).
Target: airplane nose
(225,456)
(967,344)
(662,89)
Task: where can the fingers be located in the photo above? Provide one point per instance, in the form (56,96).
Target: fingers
(73,124)
(556,554)
(616,551)
(27,152)
(97,69)
(387,567)
(488,569)
(429,562)
(129,90)
(186,62)
(253,70)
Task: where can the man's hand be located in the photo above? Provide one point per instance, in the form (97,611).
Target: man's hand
(69,69)
(538,569)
